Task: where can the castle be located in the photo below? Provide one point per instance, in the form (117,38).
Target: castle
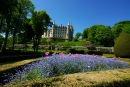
(62,32)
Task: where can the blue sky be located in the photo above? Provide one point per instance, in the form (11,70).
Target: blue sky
(85,13)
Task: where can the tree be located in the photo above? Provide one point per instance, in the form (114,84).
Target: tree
(85,33)
(100,35)
(78,35)
(22,11)
(2,23)
(6,9)
(1,40)
(40,20)
(119,27)
(27,34)
(104,35)
(91,33)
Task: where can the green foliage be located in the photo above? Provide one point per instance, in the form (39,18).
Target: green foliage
(93,52)
(74,51)
(100,34)
(59,40)
(122,45)
(72,43)
(91,47)
(14,12)
(1,39)
(27,34)
(106,51)
(119,27)
(75,39)
(70,50)
(85,33)
(7,8)
(40,20)
(43,41)
(78,35)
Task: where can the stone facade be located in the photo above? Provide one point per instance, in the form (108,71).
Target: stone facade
(63,32)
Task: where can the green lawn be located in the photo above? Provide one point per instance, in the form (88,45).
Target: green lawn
(109,55)
(9,65)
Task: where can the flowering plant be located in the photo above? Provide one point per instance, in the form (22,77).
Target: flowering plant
(91,47)
(62,64)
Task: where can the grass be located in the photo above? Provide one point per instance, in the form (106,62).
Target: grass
(109,78)
(8,65)
(109,55)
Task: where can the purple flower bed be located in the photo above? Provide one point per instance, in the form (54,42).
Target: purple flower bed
(62,64)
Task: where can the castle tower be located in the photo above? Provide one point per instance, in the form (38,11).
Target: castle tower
(68,32)
(71,32)
(52,31)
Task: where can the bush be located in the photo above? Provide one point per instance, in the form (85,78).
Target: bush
(74,51)
(106,51)
(70,50)
(91,47)
(122,45)
(91,52)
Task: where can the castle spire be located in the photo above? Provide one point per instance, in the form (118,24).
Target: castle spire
(54,22)
(68,23)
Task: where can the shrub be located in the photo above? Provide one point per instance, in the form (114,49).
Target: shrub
(70,50)
(122,45)
(80,51)
(91,47)
(74,51)
(91,52)
(106,51)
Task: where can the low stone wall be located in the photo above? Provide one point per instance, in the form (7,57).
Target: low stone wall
(29,46)
(110,49)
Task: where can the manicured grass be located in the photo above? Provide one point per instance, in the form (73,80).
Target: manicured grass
(109,55)
(109,78)
(9,65)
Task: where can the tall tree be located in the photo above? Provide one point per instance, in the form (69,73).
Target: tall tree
(100,35)
(91,33)
(2,23)
(85,33)
(40,20)
(6,9)
(104,35)
(119,27)
(22,11)
(27,34)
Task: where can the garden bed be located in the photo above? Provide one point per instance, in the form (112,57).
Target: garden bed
(54,81)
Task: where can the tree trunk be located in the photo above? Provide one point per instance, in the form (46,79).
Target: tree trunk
(15,30)
(37,44)
(6,35)
(14,34)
